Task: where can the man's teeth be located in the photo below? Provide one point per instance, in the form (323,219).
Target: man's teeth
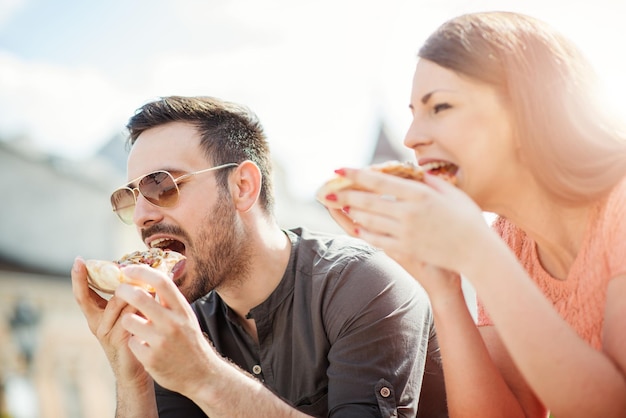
(157,243)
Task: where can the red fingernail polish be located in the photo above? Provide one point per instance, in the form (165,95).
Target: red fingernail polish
(340,171)
(346,209)
(332,197)
(356,231)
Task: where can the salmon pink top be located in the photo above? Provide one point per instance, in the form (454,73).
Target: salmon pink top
(580,299)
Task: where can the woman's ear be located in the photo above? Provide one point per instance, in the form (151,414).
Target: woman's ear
(248,180)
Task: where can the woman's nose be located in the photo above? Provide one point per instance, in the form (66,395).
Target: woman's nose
(416,138)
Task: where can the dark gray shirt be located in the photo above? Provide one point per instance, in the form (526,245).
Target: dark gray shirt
(345,333)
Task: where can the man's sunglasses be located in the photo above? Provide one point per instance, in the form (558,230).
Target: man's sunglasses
(159,188)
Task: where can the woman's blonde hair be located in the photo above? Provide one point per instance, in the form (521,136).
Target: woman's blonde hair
(573,144)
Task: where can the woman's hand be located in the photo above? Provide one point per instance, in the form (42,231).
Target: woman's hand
(439,283)
(413,222)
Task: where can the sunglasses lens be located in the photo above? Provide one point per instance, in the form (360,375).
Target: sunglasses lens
(123,203)
(159,189)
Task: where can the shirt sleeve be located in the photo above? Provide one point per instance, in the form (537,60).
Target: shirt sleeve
(174,405)
(379,323)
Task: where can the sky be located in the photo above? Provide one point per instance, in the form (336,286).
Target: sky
(322,75)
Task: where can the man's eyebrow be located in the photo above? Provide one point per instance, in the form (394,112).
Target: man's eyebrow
(131,183)
(172,171)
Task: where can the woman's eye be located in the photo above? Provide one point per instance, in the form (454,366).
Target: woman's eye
(441,106)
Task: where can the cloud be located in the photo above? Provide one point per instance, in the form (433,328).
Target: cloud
(8,8)
(66,111)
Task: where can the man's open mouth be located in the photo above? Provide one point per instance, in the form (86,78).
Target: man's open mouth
(168,244)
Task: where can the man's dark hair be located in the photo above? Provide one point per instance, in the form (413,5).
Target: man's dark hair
(229,133)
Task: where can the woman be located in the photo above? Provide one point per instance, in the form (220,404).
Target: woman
(507,104)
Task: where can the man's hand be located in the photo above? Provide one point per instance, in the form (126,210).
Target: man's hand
(103,320)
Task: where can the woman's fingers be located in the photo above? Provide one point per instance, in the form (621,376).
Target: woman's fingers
(343,220)
(381,184)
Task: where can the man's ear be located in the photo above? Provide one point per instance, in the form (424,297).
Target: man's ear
(247,187)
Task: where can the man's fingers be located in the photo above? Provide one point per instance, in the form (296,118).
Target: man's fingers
(167,292)
(115,308)
(88,300)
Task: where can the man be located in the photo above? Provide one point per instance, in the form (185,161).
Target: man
(296,323)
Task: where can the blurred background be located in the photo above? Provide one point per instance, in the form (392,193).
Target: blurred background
(329,79)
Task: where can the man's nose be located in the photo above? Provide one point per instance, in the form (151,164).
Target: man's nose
(145,212)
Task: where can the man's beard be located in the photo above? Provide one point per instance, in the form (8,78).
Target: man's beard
(221,252)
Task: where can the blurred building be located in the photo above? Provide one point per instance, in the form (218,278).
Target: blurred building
(53,210)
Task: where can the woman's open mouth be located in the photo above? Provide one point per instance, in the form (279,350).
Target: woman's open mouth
(440,168)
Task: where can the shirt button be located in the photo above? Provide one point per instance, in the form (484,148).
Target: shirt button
(385,392)
(256,369)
